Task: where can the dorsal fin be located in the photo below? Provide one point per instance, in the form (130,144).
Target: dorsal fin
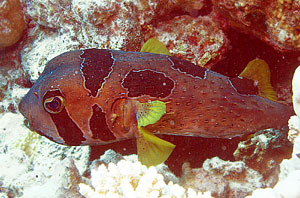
(153,45)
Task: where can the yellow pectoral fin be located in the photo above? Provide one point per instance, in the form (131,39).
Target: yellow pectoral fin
(150,112)
(258,71)
(153,45)
(151,149)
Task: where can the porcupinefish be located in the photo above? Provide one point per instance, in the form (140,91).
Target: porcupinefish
(100,96)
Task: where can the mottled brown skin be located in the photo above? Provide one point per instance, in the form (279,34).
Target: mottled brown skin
(199,102)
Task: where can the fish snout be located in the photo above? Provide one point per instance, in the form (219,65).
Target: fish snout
(36,118)
(27,107)
(23,106)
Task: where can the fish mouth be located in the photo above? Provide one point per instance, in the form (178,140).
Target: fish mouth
(28,125)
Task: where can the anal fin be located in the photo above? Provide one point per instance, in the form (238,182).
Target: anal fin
(151,149)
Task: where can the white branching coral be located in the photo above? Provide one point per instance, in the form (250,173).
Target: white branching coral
(132,179)
(296,91)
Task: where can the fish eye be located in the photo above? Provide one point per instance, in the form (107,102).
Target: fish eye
(54,104)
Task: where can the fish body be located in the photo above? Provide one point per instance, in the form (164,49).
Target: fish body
(102,90)
(100,96)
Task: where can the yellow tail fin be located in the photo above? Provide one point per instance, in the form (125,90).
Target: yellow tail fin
(258,71)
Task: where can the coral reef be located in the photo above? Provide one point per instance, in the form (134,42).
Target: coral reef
(289,168)
(12,27)
(57,27)
(12,22)
(276,21)
(223,178)
(128,178)
(202,180)
(30,162)
(264,153)
(199,40)
(32,166)
(10,93)
(101,24)
(64,26)
(296,91)
(288,184)
(82,24)
(45,47)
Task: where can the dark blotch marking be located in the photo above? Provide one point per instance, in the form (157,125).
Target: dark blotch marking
(244,86)
(188,67)
(97,65)
(65,126)
(99,126)
(148,82)
(298,155)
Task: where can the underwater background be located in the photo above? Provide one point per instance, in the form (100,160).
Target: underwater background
(219,35)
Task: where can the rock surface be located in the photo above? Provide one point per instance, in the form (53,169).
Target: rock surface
(12,23)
